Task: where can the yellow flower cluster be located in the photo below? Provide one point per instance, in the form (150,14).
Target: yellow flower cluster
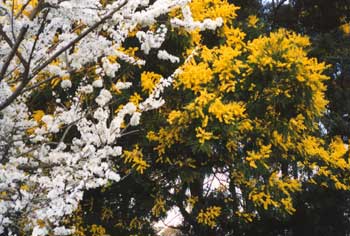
(202,9)
(135,157)
(149,80)
(97,230)
(226,113)
(326,161)
(252,21)
(248,217)
(209,215)
(158,207)
(165,138)
(252,105)
(262,199)
(194,75)
(345,28)
(20,7)
(253,156)
(286,51)
(286,186)
(203,135)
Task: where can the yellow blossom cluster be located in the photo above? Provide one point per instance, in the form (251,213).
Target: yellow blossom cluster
(252,21)
(345,28)
(158,207)
(252,106)
(135,158)
(209,215)
(149,80)
(23,7)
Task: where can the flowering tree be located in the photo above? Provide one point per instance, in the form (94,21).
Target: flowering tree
(241,134)
(71,55)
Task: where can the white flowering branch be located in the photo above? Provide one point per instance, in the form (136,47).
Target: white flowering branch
(43,173)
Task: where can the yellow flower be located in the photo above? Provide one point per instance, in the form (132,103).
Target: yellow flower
(202,9)
(17,6)
(135,158)
(345,28)
(149,80)
(173,116)
(97,230)
(254,156)
(226,112)
(204,98)
(297,123)
(209,216)
(202,135)
(135,98)
(261,198)
(252,21)
(37,115)
(158,207)
(194,75)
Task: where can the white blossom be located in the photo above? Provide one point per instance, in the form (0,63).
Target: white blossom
(135,119)
(98,83)
(104,97)
(164,55)
(65,84)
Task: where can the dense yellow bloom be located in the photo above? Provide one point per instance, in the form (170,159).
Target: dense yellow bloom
(204,98)
(226,56)
(279,141)
(174,115)
(337,152)
(278,50)
(286,185)
(262,99)
(297,123)
(313,146)
(149,80)
(226,112)
(194,75)
(283,50)
(245,125)
(202,9)
(165,138)
(209,215)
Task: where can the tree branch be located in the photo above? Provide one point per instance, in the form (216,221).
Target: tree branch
(39,68)
(9,42)
(20,37)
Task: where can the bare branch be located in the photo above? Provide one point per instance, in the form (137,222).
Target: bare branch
(25,76)
(9,42)
(20,37)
